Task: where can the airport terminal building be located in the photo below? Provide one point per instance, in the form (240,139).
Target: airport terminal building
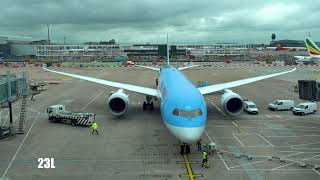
(136,51)
(25,49)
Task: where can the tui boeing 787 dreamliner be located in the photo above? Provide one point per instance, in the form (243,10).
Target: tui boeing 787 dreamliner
(182,105)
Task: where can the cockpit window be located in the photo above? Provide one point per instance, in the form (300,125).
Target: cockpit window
(175,112)
(188,114)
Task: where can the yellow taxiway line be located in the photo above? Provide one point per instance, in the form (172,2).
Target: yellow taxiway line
(240,129)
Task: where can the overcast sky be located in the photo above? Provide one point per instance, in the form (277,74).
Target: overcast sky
(242,21)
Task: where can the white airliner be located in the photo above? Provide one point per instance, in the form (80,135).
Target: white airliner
(182,105)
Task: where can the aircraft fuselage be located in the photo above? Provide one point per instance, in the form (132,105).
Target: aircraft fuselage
(183,108)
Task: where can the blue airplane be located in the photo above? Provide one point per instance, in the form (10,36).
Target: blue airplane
(182,105)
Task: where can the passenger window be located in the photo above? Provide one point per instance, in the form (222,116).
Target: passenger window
(199,112)
(60,108)
(280,103)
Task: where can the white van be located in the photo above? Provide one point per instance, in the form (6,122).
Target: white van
(305,108)
(250,107)
(281,105)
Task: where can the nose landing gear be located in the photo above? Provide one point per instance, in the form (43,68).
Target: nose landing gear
(148,104)
(184,148)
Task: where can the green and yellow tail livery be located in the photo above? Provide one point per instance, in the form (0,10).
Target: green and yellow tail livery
(313,49)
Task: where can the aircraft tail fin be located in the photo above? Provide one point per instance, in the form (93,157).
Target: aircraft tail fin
(313,49)
(168,61)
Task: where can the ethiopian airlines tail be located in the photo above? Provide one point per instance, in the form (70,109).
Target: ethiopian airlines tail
(313,49)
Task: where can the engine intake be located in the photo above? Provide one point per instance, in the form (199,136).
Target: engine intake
(231,102)
(118,103)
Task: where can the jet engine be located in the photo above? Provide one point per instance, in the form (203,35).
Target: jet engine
(118,103)
(231,102)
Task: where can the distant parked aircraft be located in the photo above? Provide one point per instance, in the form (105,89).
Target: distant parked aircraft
(313,50)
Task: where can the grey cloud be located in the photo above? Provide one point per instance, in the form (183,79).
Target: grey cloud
(149,21)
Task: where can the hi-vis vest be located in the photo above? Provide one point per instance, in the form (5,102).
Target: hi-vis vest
(204,155)
(94,126)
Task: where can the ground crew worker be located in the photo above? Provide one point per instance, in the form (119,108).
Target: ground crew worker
(94,127)
(199,144)
(204,158)
(32,99)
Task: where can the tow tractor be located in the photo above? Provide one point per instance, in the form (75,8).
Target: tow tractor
(58,113)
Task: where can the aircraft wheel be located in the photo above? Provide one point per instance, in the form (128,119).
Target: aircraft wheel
(151,106)
(144,106)
(181,149)
(187,149)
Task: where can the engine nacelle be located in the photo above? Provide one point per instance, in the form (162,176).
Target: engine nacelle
(118,103)
(231,102)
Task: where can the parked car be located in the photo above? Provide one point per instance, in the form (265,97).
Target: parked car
(281,105)
(250,107)
(305,108)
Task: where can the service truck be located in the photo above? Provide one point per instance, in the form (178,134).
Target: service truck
(58,113)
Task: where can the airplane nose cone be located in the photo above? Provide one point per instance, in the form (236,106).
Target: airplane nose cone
(186,134)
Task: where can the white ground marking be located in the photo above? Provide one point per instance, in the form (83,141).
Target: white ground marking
(306,144)
(262,161)
(14,157)
(265,139)
(238,140)
(34,110)
(218,153)
(247,164)
(0,117)
(293,161)
(311,135)
(272,169)
(92,99)
(268,116)
(256,127)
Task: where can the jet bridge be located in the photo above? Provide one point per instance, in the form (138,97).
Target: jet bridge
(11,88)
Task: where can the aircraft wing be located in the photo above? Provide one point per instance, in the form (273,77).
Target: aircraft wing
(219,87)
(129,87)
(187,67)
(148,67)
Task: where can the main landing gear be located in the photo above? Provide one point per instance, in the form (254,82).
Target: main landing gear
(148,104)
(184,148)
